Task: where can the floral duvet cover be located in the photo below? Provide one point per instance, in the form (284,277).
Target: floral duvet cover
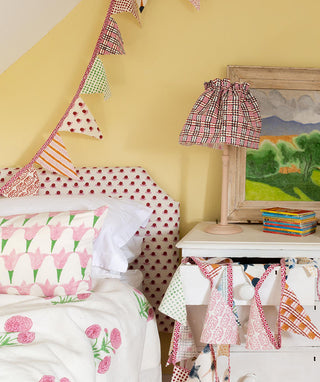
(110,335)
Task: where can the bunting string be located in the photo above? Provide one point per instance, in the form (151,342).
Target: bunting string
(77,117)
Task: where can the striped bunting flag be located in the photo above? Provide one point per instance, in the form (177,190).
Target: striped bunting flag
(55,158)
(130,6)
(97,81)
(294,318)
(80,120)
(111,42)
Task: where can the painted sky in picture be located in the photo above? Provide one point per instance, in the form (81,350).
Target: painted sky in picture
(288,112)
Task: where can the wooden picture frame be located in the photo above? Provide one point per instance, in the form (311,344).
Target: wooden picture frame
(259,77)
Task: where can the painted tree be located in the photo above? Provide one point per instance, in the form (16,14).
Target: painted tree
(308,153)
(286,153)
(263,162)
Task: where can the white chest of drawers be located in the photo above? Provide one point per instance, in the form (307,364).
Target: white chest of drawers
(299,358)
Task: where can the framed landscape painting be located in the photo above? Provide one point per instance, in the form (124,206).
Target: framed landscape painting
(285,170)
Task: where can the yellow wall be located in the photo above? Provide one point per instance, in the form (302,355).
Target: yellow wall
(153,86)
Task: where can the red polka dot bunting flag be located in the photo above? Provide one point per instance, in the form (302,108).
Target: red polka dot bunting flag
(80,120)
(130,6)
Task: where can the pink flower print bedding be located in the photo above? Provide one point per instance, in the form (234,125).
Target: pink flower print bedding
(100,337)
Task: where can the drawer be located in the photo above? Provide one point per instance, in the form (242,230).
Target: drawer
(298,365)
(196,315)
(197,287)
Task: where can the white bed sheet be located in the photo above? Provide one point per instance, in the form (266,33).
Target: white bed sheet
(58,340)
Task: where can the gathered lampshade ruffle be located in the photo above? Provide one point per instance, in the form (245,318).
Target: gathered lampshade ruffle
(224,113)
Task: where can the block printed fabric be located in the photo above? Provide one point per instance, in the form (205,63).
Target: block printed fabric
(25,184)
(48,254)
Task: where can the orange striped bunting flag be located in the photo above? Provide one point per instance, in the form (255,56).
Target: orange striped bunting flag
(294,318)
(55,158)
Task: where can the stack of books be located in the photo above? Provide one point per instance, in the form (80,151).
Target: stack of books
(288,221)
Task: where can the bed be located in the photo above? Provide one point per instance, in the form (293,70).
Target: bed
(83,268)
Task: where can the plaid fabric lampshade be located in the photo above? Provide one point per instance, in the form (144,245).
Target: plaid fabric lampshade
(225,114)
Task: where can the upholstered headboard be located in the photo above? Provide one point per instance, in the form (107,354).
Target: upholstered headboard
(159,258)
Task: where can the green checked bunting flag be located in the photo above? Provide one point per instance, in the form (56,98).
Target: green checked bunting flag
(97,81)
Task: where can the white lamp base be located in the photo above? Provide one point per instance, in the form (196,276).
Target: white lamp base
(223,229)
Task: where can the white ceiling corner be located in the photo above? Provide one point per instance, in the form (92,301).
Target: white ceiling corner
(24,22)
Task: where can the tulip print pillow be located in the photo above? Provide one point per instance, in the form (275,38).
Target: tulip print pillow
(48,254)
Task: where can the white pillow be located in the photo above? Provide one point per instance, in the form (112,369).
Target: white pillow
(116,244)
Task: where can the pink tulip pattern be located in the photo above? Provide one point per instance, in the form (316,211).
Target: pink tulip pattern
(36,260)
(17,331)
(55,233)
(108,345)
(84,259)
(27,218)
(78,233)
(30,233)
(47,288)
(51,215)
(3,221)
(10,262)
(60,260)
(6,233)
(99,212)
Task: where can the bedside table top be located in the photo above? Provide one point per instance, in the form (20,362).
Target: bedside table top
(251,242)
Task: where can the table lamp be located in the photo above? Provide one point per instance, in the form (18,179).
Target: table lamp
(225,114)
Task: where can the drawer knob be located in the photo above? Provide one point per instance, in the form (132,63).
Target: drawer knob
(250,377)
(246,292)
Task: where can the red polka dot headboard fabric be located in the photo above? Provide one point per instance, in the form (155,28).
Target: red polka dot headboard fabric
(159,257)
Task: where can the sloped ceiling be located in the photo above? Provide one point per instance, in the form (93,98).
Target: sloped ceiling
(24,22)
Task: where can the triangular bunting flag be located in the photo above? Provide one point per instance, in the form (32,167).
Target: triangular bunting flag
(24,184)
(173,303)
(111,41)
(130,6)
(55,158)
(294,318)
(96,81)
(257,338)
(220,326)
(141,4)
(80,120)
(196,4)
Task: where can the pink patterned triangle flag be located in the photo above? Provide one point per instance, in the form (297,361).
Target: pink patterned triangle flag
(24,184)
(130,6)
(220,326)
(80,120)
(196,4)
(111,41)
(55,158)
(257,338)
